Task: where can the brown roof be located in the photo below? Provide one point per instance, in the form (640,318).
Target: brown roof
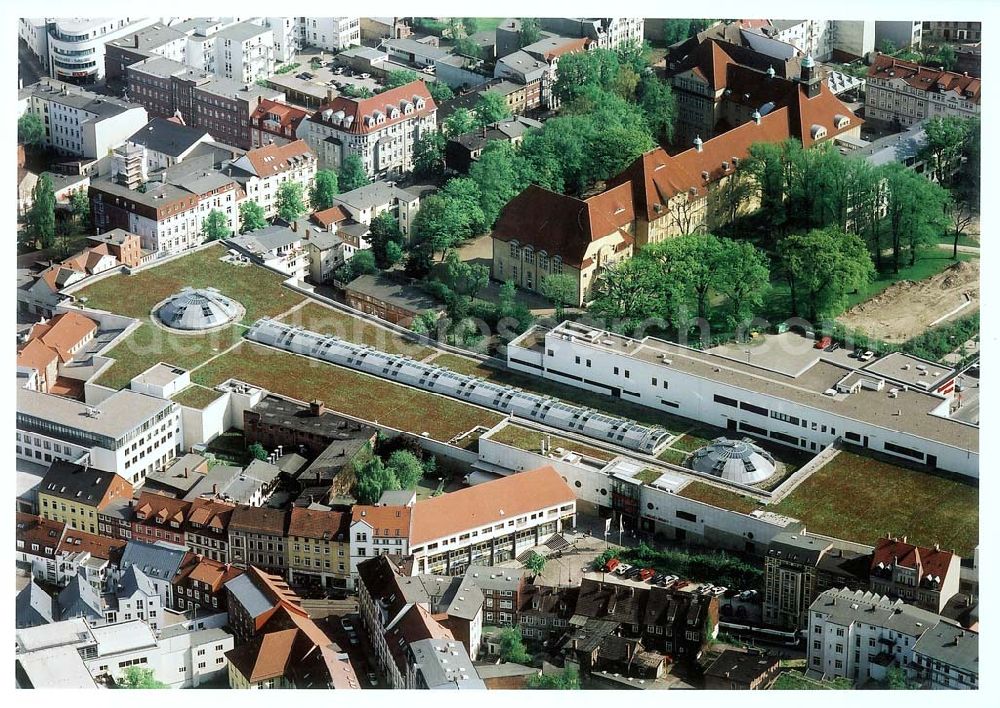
(161,509)
(709,61)
(35,529)
(210,513)
(205,570)
(500,500)
(36,355)
(565,226)
(266,659)
(333,215)
(259,519)
(926,561)
(63,332)
(925,78)
(288,116)
(75,541)
(327,525)
(361,108)
(275,159)
(385,520)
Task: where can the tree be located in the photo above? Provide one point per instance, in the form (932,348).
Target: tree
(467,47)
(419,261)
(947,57)
(251,217)
(895,679)
(30,130)
(290,203)
(470,25)
(407,468)
(961,216)
(501,174)
(400,77)
(529,33)
(822,266)
(428,155)
(458,123)
(568,680)
(361,263)
(215,226)
(676,30)
(79,204)
(439,91)
(372,479)
(744,279)
(945,146)
(625,293)
(560,289)
(41,218)
(535,563)
(656,99)
(915,212)
(324,190)
(258,451)
(352,173)
(490,108)
(465,192)
(138,677)
(383,233)
(512,647)
(465,278)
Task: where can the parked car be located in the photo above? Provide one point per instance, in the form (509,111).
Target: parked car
(866,356)
(622,568)
(353,639)
(339,70)
(658,578)
(366,76)
(347,625)
(669,580)
(646,573)
(832,347)
(822,343)
(718,590)
(610,566)
(633,572)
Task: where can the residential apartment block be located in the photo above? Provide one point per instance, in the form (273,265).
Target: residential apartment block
(157,517)
(275,123)
(244,52)
(80,123)
(205,529)
(333,34)
(859,636)
(318,547)
(952,31)
(258,536)
(75,494)
(199,584)
(129,434)
(381,131)
(263,170)
(903,92)
(378,531)
(925,577)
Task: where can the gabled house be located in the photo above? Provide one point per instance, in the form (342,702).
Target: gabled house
(159,562)
(921,576)
(206,528)
(200,584)
(157,517)
(263,170)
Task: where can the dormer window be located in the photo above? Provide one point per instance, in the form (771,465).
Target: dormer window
(817,132)
(420,104)
(841,121)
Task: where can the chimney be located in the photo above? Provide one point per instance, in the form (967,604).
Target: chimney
(697,143)
(185,472)
(215,489)
(135,40)
(295,228)
(937,547)
(316,408)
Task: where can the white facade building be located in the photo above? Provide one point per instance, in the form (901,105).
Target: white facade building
(809,409)
(332,33)
(263,170)
(34,32)
(76,45)
(244,52)
(81,123)
(130,434)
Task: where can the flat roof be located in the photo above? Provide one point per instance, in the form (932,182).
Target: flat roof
(60,667)
(160,375)
(807,388)
(908,369)
(123,637)
(120,413)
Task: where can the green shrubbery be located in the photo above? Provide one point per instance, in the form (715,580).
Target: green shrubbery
(719,568)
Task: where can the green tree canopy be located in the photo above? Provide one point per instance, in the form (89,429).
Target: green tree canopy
(490,108)
(530,32)
(251,217)
(947,137)
(215,226)
(465,278)
(137,677)
(372,478)
(407,467)
(258,451)
(568,680)
(290,201)
(324,190)
(30,130)
(656,99)
(361,263)
(916,212)
(535,563)
(400,77)
(624,293)
(512,647)
(384,232)
(79,204)
(41,218)
(458,123)
(428,155)
(822,267)
(561,290)
(352,173)
(439,91)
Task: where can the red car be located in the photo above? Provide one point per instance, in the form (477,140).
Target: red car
(611,565)
(646,573)
(822,343)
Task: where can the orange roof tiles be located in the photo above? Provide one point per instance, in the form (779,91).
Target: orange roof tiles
(385,520)
(275,159)
(157,507)
(288,116)
(925,78)
(36,355)
(75,541)
(927,561)
(333,215)
(60,334)
(327,525)
(44,532)
(500,500)
(358,109)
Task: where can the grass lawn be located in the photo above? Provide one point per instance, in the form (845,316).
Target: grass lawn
(795,681)
(689,442)
(674,457)
(231,448)
(648,476)
(257,289)
(326,320)
(150,344)
(570,394)
(527,439)
(195,396)
(716,496)
(346,391)
(860,499)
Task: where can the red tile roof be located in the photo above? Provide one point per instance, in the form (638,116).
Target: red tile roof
(35,529)
(75,541)
(63,332)
(392,521)
(565,226)
(926,561)
(37,356)
(288,116)
(157,508)
(501,500)
(333,215)
(924,78)
(205,570)
(274,159)
(361,111)
(319,524)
